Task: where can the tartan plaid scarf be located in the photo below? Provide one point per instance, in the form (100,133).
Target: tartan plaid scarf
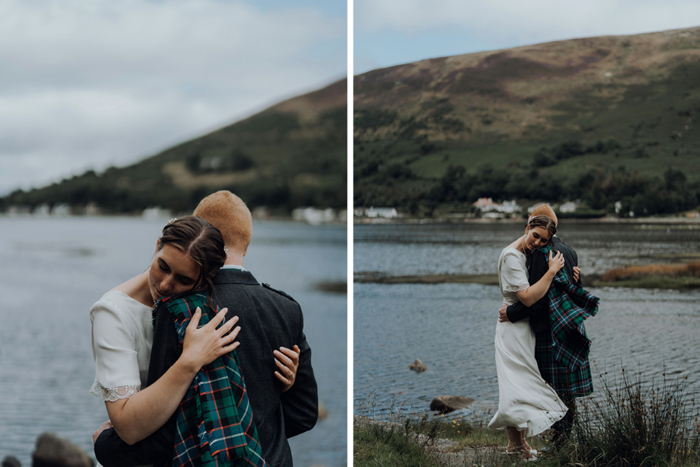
(214,421)
(569,306)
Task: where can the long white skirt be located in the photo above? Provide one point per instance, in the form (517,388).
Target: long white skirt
(525,400)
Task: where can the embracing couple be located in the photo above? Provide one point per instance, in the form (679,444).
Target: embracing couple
(541,343)
(176,389)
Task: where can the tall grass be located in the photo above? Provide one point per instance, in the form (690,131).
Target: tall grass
(636,423)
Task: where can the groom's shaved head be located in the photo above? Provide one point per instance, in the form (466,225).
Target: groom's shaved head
(228,213)
(541,210)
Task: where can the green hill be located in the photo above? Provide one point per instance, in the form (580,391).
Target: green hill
(292,154)
(602,119)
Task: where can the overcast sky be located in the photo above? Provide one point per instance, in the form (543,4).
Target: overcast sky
(93,83)
(391,32)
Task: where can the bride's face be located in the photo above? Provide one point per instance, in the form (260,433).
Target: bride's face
(537,237)
(172,272)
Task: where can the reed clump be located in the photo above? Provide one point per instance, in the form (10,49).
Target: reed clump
(636,423)
(669,270)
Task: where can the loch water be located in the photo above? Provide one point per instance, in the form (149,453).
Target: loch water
(650,333)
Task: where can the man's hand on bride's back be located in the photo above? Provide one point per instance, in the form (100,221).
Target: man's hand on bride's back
(287,361)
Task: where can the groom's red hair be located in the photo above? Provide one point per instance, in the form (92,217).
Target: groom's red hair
(544,210)
(228,213)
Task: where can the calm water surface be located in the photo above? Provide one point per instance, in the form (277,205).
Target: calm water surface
(450,327)
(55,269)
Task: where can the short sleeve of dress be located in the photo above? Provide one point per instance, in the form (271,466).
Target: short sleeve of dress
(513,273)
(114,348)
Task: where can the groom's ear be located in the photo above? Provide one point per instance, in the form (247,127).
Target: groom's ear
(157,245)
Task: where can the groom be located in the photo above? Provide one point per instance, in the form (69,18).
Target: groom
(567,384)
(271,324)
(270,320)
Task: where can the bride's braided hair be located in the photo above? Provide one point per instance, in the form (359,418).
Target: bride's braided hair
(203,243)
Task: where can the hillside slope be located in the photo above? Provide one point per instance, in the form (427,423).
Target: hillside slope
(604,119)
(292,154)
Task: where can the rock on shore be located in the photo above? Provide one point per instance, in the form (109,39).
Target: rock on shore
(447,404)
(53,451)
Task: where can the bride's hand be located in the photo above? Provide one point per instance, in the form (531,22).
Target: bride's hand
(202,346)
(556,262)
(577,273)
(287,361)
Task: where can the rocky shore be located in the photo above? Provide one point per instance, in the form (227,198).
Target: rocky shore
(53,451)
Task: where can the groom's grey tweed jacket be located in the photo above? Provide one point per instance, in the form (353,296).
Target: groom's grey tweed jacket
(269,319)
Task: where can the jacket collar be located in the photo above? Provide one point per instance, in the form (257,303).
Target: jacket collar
(235,276)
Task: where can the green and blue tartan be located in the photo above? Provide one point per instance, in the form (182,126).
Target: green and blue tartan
(214,421)
(562,352)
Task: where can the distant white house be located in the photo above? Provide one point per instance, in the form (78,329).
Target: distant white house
(509,207)
(61,210)
(16,210)
(92,209)
(156,213)
(487,205)
(569,206)
(387,213)
(43,210)
(314,215)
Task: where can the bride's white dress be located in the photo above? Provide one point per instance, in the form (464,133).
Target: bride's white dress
(525,400)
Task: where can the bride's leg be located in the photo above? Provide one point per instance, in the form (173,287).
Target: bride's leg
(523,441)
(514,441)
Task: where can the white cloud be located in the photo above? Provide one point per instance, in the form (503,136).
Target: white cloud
(93,83)
(525,22)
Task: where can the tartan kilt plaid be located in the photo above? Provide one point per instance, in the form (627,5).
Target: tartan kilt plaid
(566,384)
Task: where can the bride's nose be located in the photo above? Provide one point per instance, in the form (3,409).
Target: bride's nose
(166,284)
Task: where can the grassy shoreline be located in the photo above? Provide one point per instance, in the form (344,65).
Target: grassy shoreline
(647,281)
(632,423)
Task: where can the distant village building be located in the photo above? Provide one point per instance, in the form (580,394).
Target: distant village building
(15,210)
(569,206)
(261,212)
(509,207)
(156,213)
(487,205)
(61,210)
(92,209)
(387,213)
(43,210)
(314,216)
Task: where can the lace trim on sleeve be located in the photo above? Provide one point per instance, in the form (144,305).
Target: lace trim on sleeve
(113,394)
(515,288)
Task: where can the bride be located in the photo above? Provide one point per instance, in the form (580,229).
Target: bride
(527,405)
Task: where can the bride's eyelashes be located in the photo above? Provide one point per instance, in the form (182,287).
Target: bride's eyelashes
(186,281)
